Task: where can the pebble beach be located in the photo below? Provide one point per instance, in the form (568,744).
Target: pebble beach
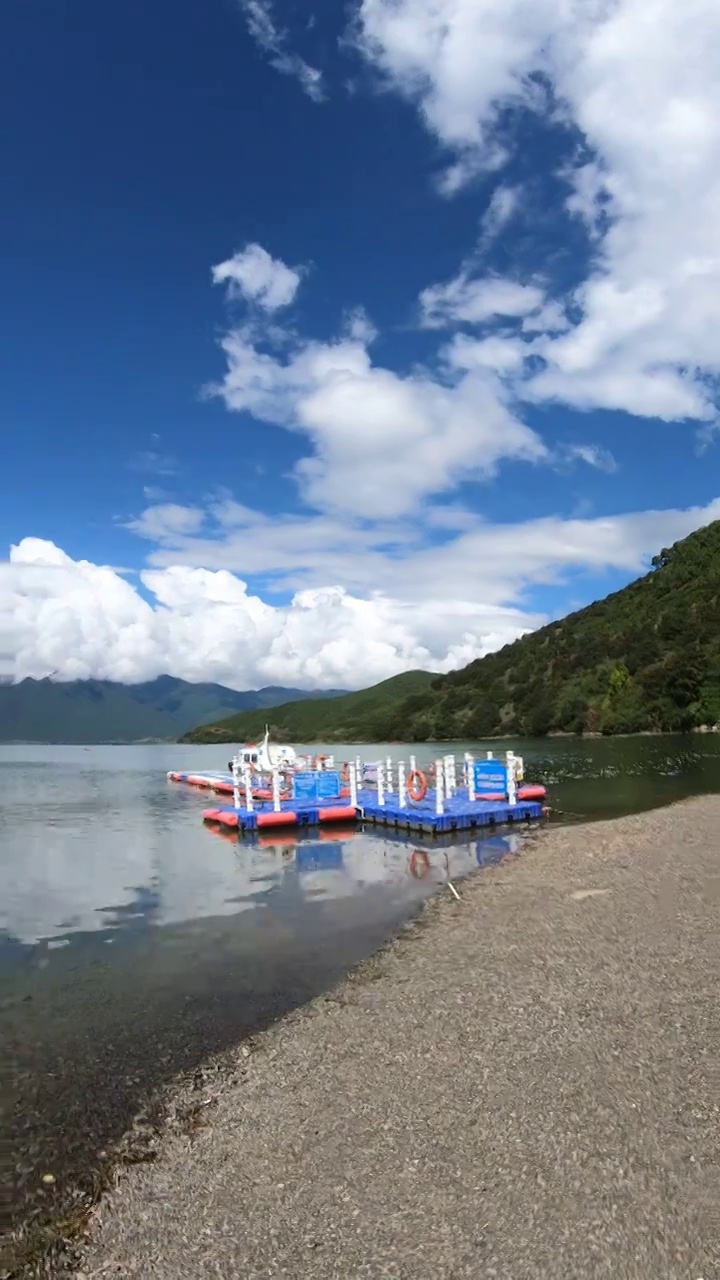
(525,1083)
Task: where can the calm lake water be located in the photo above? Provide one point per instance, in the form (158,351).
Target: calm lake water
(134,941)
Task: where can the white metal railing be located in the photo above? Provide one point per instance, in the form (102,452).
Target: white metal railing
(392,779)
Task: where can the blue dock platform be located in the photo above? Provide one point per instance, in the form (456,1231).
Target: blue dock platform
(460,813)
(291,814)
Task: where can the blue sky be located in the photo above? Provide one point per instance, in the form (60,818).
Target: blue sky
(457,372)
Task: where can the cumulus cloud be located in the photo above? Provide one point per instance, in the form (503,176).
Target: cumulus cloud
(432,606)
(254,276)
(504,355)
(77,620)
(382,441)
(274,42)
(641,82)
(463,300)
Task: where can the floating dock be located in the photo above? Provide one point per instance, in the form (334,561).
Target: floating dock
(292,813)
(450,798)
(460,814)
(220,782)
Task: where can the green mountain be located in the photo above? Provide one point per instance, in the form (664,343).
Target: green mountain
(646,658)
(354,717)
(91,711)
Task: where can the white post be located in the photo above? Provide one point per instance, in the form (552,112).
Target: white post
(276,789)
(413,765)
(450,775)
(352,777)
(389,767)
(381,785)
(359,771)
(248,789)
(236,783)
(402,796)
(511,783)
(470,770)
(489,755)
(439,788)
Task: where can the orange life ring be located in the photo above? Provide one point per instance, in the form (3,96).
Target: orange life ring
(417,785)
(419,864)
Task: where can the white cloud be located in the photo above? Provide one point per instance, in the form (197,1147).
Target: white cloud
(641,80)
(77,620)
(551,318)
(503,355)
(255,276)
(455,60)
(463,300)
(157,520)
(382,442)
(273,41)
(426,606)
(593,455)
(500,211)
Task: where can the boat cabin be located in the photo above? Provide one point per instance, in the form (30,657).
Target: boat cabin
(247,755)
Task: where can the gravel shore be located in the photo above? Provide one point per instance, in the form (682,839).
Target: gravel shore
(525,1084)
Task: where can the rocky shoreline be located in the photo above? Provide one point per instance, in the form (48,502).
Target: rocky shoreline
(525,1083)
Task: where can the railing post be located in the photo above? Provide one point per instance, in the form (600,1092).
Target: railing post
(352,777)
(248,789)
(276,789)
(236,782)
(402,796)
(381,785)
(470,770)
(439,788)
(511,783)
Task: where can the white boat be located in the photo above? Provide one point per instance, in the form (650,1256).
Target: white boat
(266,756)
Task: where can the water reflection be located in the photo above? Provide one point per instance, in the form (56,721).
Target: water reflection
(67,891)
(97,842)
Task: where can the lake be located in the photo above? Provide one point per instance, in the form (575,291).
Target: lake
(134,941)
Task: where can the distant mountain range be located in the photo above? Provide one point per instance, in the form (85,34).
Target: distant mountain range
(93,711)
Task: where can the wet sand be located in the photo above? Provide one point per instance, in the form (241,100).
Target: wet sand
(526,1083)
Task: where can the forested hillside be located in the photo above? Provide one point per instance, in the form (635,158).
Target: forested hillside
(644,658)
